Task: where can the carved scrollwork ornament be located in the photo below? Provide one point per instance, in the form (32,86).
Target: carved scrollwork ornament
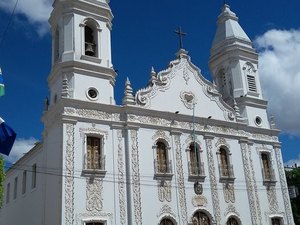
(198,188)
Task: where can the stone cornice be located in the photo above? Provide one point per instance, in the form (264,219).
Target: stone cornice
(121,116)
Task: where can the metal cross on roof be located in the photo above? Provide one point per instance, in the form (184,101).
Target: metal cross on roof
(180,35)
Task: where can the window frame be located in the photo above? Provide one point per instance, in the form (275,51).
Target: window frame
(34,176)
(7,193)
(101,171)
(200,172)
(223,177)
(160,175)
(271,179)
(24,182)
(15,195)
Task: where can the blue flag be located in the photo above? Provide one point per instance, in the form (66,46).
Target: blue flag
(7,138)
(2,91)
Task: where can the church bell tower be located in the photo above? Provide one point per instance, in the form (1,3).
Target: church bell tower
(234,67)
(81,51)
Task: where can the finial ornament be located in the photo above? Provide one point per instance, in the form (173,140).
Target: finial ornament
(180,35)
(128,94)
(152,75)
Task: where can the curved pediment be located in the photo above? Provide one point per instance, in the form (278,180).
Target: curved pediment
(181,87)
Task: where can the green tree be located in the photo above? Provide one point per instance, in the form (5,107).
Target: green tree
(2,178)
(293,179)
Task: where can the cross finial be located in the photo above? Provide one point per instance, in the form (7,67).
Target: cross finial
(180,35)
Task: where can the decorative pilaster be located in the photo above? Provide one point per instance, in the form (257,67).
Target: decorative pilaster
(136,178)
(284,188)
(213,179)
(181,186)
(249,182)
(122,179)
(69,176)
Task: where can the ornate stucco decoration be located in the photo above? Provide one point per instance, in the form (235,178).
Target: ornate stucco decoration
(222,142)
(93,130)
(190,139)
(160,135)
(91,114)
(199,200)
(136,178)
(181,186)
(272,199)
(93,215)
(164,191)
(213,180)
(186,67)
(283,184)
(228,190)
(166,210)
(69,176)
(122,179)
(188,98)
(231,210)
(94,188)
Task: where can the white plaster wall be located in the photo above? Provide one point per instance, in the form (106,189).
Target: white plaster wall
(26,208)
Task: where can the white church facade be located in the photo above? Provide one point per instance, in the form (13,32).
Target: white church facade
(180,151)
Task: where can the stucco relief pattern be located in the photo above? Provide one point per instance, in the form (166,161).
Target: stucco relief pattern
(231,210)
(69,176)
(164,191)
(93,215)
(161,122)
(121,177)
(136,178)
(272,199)
(258,209)
(213,181)
(284,188)
(199,200)
(181,186)
(160,135)
(228,190)
(249,183)
(91,114)
(166,210)
(94,189)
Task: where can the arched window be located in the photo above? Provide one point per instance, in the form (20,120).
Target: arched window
(161,157)
(90,43)
(232,221)
(166,222)
(200,218)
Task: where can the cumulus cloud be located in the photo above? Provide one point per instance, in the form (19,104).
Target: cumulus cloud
(279,66)
(37,12)
(21,146)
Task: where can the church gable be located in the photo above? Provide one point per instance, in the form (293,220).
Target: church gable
(180,87)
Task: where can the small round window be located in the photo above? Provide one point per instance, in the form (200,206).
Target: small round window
(92,93)
(258,121)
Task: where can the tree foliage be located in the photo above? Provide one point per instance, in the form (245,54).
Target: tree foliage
(293,179)
(2,178)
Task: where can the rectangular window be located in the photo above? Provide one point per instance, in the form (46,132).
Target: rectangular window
(7,193)
(267,170)
(24,182)
(33,181)
(16,188)
(94,158)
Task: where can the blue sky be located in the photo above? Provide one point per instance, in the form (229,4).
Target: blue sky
(143,36)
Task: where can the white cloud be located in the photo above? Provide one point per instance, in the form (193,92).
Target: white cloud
(279,66)
(21,146)
(36,11)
